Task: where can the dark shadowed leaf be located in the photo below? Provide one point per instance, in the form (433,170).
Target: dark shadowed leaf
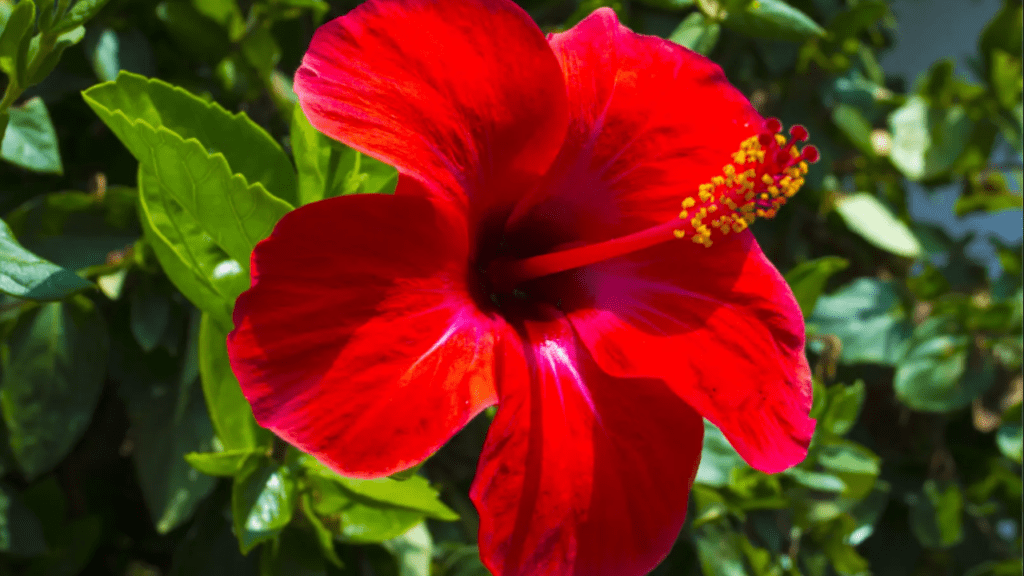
(21,534)
(25,275)
(53,367)
(867,316)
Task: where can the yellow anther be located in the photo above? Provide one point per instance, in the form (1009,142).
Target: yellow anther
(780,140)
(689,203)
(684,215)
(712,208)
(679,234)
(718,180)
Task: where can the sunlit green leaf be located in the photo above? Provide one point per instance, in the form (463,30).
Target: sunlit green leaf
(231,415)
(717,458)
(191,259)
(412,550)
(137,108)
(328,168)
(226,464)
(773,19)
(262,502)
(697,32)
(927,140)
(867,216)
(81,12)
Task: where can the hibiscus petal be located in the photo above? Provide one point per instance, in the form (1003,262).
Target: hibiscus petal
(720,326)
(582,473)
(650,122)
(432,88)
(358,341)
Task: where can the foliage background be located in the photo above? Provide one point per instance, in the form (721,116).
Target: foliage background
(125,447)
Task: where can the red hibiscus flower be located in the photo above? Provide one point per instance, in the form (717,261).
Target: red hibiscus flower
(535,256)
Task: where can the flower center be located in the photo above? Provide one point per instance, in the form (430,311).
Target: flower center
(764,173)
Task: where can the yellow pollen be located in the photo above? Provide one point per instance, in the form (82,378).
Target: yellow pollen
(763,174)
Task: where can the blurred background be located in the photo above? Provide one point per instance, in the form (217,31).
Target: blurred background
(118,447)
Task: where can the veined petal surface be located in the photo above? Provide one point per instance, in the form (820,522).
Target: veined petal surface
(719,325)
(582,473)
(650,122)
(358,342)
(465,96)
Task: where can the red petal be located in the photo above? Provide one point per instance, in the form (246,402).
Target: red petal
(720,326)
(650,122)
(465,96)
(358,341)
(582,473)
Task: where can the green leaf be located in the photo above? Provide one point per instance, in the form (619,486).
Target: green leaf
(225,464)
(773,19)
(20,25)
(808,279)
(21,534)
(414,493)
(328,168)
(1010,436)
(930,379)
(717,458)
(168,421)
(867,317)
(936,514)
(262,502)
(669,4)
(453,559)
(697,32)
(208,547)
(324,537)
(855,126)
(234,213)
(844,405)
(79,14)
(230,413)
(852,463)
(412,551)
(136,107)
(30,140)
(52,367)
(197,35)
(819,481)
(191,259)
(78,230)
(927,140)
(873,221)
(150,313)
(292,553)
(25,275)
(223,12)
(48,61)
